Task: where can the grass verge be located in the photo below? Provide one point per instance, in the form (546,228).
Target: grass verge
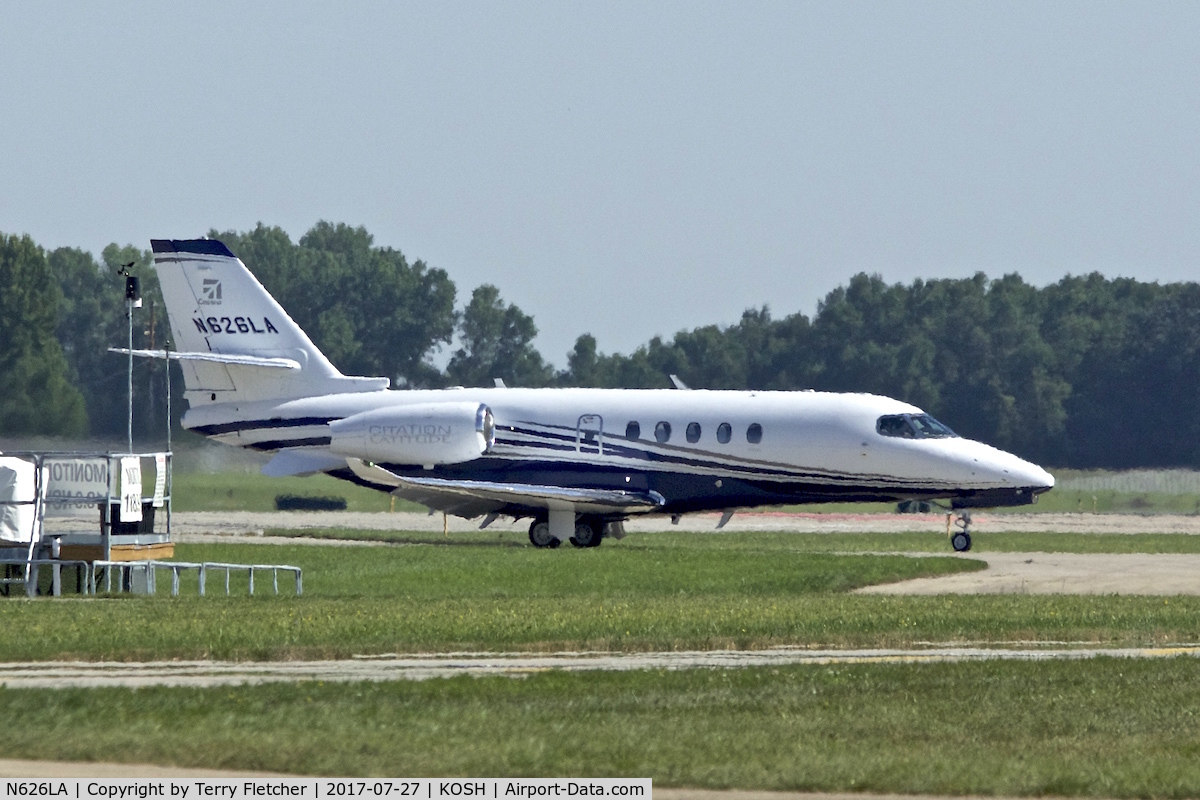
(797,543)
(648,593)
(1112,728)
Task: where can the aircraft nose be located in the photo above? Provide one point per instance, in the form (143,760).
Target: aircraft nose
(1032,475)
(1011,470)
(1017,472)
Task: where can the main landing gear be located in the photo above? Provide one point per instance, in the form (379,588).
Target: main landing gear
(539,535)
(589,532)
(960,539)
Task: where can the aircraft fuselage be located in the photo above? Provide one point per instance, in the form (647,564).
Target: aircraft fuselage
(699,450)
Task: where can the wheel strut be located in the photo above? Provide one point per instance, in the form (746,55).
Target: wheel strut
(960,539)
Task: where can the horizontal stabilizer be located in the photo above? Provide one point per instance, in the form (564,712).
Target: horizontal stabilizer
(215,358)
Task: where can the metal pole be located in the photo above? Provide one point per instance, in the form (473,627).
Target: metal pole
(167,361)
(106,528)
(170,457)
(129,315)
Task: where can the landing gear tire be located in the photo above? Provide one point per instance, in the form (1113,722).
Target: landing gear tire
(539,535)
(588,533)
(960,540)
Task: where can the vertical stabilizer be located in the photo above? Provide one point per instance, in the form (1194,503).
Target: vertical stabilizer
(216,306)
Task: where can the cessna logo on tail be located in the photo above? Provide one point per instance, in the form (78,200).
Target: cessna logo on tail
(210,291)
(232,324)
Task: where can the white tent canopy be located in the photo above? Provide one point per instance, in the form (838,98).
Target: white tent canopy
(17,485)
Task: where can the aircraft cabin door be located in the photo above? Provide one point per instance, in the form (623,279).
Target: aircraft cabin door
(589,434)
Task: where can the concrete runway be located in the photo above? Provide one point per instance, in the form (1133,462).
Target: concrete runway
(1161,574)
(27,675)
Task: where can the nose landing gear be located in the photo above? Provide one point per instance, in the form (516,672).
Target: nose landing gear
(960,539)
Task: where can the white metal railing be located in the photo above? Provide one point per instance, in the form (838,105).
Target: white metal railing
(30,579)
(297,573)
(149,570)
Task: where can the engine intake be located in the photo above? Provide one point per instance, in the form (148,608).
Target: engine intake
(426,433)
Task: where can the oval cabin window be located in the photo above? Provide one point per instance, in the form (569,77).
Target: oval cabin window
(633,431)
(754,433)
(662,432)
(693,432)
(724,433)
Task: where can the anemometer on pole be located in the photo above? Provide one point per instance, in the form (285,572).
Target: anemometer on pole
(133,299)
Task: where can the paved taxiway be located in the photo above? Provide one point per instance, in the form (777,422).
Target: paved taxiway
(22,675)
(1162,574)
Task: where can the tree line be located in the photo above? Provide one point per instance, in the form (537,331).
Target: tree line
(1086,372)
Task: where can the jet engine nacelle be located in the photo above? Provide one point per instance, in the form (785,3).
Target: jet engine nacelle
(426,434)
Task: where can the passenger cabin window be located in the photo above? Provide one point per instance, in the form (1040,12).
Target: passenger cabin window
(633,431)
(662,432)
(754,433)
(693,432)
(724,433)
(913,426)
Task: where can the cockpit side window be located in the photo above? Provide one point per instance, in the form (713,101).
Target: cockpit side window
(929,428)
(895,425)
(912,426)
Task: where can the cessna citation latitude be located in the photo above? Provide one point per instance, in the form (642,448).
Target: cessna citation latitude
(576,462)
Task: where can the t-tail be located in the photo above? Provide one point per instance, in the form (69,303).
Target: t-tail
(233,341)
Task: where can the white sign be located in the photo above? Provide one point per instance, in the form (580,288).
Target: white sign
(75,485)
(160,479)
(131,489)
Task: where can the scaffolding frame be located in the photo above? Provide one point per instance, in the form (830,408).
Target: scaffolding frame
(40,552)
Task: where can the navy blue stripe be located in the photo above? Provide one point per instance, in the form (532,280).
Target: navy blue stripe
(548,435)
(554,442)
(282,444)
(848,482)
(204,247)
(612,447)
(262,424)
(615,443)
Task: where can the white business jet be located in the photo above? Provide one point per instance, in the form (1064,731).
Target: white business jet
(577,462)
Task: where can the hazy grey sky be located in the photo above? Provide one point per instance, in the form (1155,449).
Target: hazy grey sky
(624,169)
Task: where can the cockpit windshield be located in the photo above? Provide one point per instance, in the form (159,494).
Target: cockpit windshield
(913,426)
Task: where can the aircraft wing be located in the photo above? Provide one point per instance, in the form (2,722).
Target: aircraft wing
(472,498)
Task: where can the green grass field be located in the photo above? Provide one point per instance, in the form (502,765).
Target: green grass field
(1107,728)
(492,592)
(1114,728)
